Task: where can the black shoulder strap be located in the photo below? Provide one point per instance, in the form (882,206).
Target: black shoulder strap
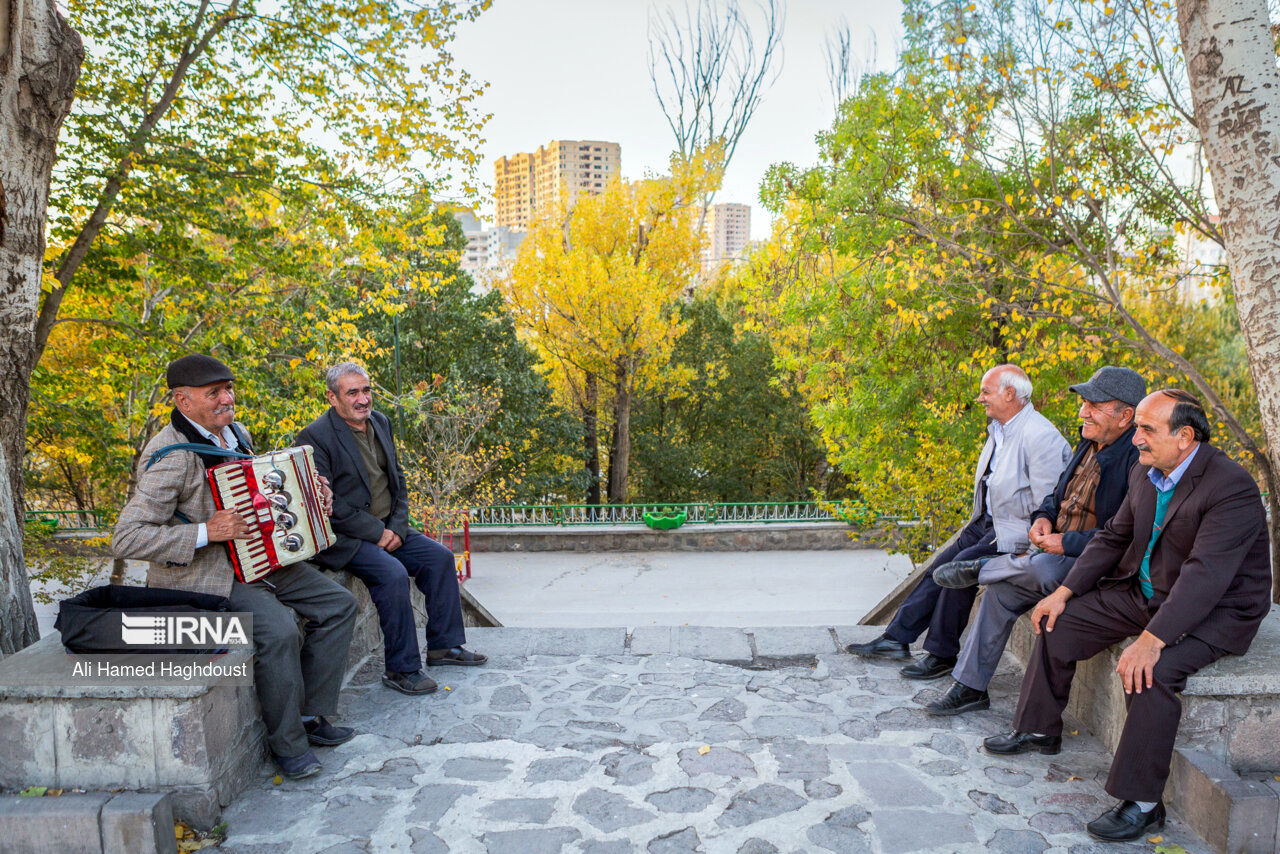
(200,449)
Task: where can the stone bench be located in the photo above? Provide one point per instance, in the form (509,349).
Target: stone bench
(1228,749)
(200,742)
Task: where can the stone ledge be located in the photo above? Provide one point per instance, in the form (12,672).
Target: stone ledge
(1230,813)
(1230,709)
(202,743)
(1230,715)
(754,647)
(91,823)
(770,536)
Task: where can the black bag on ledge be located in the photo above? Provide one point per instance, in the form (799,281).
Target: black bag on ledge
(94,622)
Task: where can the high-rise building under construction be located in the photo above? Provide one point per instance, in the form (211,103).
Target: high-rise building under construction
(527,185)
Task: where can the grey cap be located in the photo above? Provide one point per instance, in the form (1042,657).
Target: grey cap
(1112,383)
(197,370)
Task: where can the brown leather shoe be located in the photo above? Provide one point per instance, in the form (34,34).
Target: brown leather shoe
(457,656)
(412,684)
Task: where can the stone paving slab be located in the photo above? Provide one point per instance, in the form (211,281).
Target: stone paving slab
(661,752)
(515,640)
(798,642)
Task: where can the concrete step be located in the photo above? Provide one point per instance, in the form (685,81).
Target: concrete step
(89,823)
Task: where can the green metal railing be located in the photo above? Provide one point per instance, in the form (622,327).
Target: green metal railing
(517,515)
(68,520)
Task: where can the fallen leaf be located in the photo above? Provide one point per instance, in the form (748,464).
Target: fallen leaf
(1069,779)
(1155,839)
(704,750)
(447,688)
(277,780)
(1170,849)
(33,792)
(53,793)
(1075,732)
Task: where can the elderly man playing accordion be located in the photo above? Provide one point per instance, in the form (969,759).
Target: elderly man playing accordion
(172,522)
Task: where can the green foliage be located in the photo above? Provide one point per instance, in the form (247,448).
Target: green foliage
(454,344)
(1006,195)
(230,171)
(738,430)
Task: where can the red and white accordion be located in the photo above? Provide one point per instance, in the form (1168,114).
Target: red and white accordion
(278,494)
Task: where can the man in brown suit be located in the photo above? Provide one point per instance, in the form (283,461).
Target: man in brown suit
(171,522)
(1184,565)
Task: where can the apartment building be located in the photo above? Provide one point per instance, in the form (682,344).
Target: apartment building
(526,185)
(487,249)
(728,231)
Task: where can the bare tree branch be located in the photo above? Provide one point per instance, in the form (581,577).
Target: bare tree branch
(710,67)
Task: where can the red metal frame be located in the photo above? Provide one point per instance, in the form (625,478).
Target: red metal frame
(451,524)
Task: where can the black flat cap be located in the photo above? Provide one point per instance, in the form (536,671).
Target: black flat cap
(1112,383)
(197,370)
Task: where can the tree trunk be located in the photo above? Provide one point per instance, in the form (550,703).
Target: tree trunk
(40,58)
(1235,88)
(620,452)
(591,438)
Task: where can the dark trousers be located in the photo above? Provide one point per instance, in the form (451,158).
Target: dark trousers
(296,673)
(387,574)
(1089,624)
(944,612)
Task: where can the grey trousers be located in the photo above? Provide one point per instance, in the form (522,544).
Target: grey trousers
(296,672)
(1015,583)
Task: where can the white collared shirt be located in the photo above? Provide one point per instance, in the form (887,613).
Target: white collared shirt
(228,436)
(1165,483)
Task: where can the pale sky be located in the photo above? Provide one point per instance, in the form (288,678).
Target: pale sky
(578,69)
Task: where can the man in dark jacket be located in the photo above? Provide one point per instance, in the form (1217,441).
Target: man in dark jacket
(1088,494)
(354,449)
(1185,566)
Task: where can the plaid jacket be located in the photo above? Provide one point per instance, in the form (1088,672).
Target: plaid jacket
(149,530)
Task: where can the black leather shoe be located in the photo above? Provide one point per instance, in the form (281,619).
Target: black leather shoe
(325,734)
(958,574)
(298,767)
(929,667)
(412,684)
(957,701)
(1126,821)
(458,656)
(881,647)
(1022,742)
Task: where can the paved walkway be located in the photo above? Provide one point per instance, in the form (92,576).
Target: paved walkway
(760,588)
(587,740)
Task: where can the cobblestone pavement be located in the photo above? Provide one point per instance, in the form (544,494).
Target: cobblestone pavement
(591,741)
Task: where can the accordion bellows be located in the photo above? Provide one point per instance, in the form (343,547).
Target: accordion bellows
(278,495)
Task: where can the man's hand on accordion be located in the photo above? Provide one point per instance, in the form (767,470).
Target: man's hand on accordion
(226,525)
(326,496)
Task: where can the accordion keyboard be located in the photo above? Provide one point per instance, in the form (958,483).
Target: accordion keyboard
(278,496)
(249,556)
